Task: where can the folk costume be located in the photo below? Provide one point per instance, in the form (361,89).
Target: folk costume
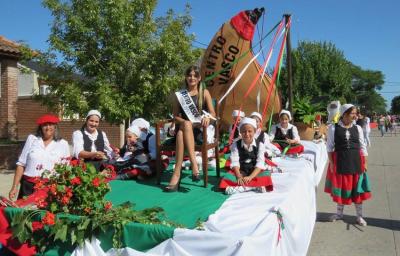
(36,157)
(132,160)
(279,134)
(347,181)
(247,158)
(82,140)
(261,136)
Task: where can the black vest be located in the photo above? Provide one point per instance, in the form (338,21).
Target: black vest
(280,138)
(139,149)
(236,134)
(247,160)
(87,143)
(361,122)
(347,150)
(146,143)
(260,138)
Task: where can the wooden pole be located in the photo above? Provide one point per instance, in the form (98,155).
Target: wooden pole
(289,65)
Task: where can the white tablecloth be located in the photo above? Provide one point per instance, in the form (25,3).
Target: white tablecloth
(246,224)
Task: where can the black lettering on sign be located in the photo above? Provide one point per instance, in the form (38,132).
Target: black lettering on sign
(210,65)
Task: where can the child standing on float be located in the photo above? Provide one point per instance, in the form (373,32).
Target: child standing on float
(346,179)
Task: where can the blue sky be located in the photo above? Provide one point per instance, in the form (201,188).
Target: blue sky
(366,31)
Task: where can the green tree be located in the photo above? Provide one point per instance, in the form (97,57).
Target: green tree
(116,57)
(395,109)
(320,71)
(365,84)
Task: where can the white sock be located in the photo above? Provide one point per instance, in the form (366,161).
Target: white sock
(339,209)
(358,210)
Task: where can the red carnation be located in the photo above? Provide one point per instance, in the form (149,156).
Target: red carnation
(37,225)
(65,200)
(76,181)
(108,206)
(96,182)
(49,219)
(74,162)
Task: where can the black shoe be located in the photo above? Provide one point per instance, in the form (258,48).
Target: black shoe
(171,188)
(196,177)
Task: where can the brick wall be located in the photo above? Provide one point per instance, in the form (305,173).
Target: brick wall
(9,155)
(8,98)
(30,110)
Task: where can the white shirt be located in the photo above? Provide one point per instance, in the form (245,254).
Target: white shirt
(36,158)
(330,144)
(77,141)
(260,156)
(296,136)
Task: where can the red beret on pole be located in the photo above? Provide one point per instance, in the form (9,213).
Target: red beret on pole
(48,119)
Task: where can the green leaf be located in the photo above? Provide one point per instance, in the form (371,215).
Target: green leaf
(61,233)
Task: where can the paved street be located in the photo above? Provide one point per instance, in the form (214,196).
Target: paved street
(381,236)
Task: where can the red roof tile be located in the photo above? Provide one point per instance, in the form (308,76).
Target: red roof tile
(9,47)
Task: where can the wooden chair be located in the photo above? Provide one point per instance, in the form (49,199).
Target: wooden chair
(203,148)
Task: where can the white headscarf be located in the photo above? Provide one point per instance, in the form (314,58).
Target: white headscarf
(135,130)
(248,120)
(256,114)
(287,112)
(93,112)
(237,113)
(344,108)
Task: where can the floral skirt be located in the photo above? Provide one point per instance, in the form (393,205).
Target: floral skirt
(262,180)
(347,188)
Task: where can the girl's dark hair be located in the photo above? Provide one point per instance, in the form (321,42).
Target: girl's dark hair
(197,72)
(56,137)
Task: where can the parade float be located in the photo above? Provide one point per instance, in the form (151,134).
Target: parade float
(81,212)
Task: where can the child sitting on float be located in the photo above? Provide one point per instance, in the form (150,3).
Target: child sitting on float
(247,163)
(285,135)
(270,149)
(131,160)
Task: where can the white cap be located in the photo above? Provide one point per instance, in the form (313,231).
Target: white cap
(93,112)
(344,108)
(236,113)
(248,120)
(141,123)
(287,112)
(257,115)
(135,130)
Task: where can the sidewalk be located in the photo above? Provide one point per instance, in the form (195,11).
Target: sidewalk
(382,235)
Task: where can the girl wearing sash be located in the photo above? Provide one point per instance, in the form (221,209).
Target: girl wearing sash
(247,163)
(346,178)
(90,143)
(285,134)
(187,109)
(40,152)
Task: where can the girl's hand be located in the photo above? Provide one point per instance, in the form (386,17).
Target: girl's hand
(205,121)
(240,180)
(247,179)
(12,193)
(99,155)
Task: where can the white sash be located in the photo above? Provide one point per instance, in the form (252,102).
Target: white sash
(188,106)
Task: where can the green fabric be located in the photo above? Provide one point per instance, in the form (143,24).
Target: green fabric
(193,200)
(363,184)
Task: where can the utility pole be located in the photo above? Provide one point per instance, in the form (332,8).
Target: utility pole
(289,63)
